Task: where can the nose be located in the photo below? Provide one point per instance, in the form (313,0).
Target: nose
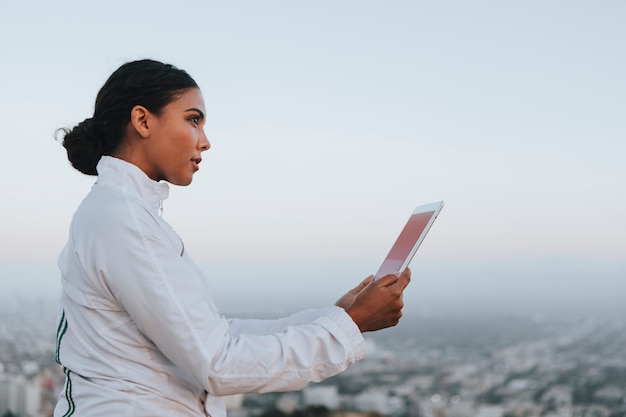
(204,143)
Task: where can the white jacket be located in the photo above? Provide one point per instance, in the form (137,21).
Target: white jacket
(139,334)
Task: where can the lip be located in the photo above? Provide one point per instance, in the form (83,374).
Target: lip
(196,163)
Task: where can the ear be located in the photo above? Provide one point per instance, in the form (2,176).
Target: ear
(140,120)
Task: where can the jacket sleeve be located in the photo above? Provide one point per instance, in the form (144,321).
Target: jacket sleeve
(171,305)
(268,326)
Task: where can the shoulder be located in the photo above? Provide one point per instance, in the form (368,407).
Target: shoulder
(106,211)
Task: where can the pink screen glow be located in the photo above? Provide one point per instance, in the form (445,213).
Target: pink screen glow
(404,244)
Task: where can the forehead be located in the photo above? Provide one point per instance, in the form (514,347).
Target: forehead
(189,99)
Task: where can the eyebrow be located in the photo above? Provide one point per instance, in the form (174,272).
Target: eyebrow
(197,110)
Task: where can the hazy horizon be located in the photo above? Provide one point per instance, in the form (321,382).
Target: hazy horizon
(547,287)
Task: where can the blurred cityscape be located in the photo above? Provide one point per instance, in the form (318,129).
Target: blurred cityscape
(428,366)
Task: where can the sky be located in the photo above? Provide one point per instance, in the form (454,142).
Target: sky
(329,122)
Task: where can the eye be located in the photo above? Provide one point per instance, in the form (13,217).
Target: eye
(195,120)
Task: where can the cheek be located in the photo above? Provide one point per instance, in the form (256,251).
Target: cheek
(187,140)
(182,143)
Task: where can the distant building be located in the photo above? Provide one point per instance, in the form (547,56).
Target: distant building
(609,395)
(4,394)
(372,401)
(379,401)
(288,403)
(233,402)
(490,411)
(29,368)
(327,396)
(20,395)
(460,409)
(558,396)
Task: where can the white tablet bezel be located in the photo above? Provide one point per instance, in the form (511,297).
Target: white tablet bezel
(435,208)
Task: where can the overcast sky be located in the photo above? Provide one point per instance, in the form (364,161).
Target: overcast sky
(329,121)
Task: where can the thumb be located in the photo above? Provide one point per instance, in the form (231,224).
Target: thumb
(388,280)
(363,284)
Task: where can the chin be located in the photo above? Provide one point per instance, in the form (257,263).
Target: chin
(181,181)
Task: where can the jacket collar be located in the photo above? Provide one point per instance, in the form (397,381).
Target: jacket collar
(129,179)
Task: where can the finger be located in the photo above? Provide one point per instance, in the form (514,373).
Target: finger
(388,280)
(362,285)
(405,278)
(366,281)
(407,271)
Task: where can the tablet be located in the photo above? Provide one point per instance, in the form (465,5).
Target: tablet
(409,239)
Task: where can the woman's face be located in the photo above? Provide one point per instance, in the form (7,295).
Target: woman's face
(177,139)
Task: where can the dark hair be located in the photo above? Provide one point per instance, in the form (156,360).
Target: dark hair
(148,83)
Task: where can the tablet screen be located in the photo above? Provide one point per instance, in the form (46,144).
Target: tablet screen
(405,245)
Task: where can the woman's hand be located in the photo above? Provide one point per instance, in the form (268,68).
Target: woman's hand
(347,300)
(375,305)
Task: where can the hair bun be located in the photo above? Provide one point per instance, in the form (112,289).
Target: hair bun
(82,147)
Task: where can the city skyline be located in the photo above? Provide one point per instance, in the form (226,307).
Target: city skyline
(463,366)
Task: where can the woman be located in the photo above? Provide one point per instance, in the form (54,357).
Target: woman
(139,333)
